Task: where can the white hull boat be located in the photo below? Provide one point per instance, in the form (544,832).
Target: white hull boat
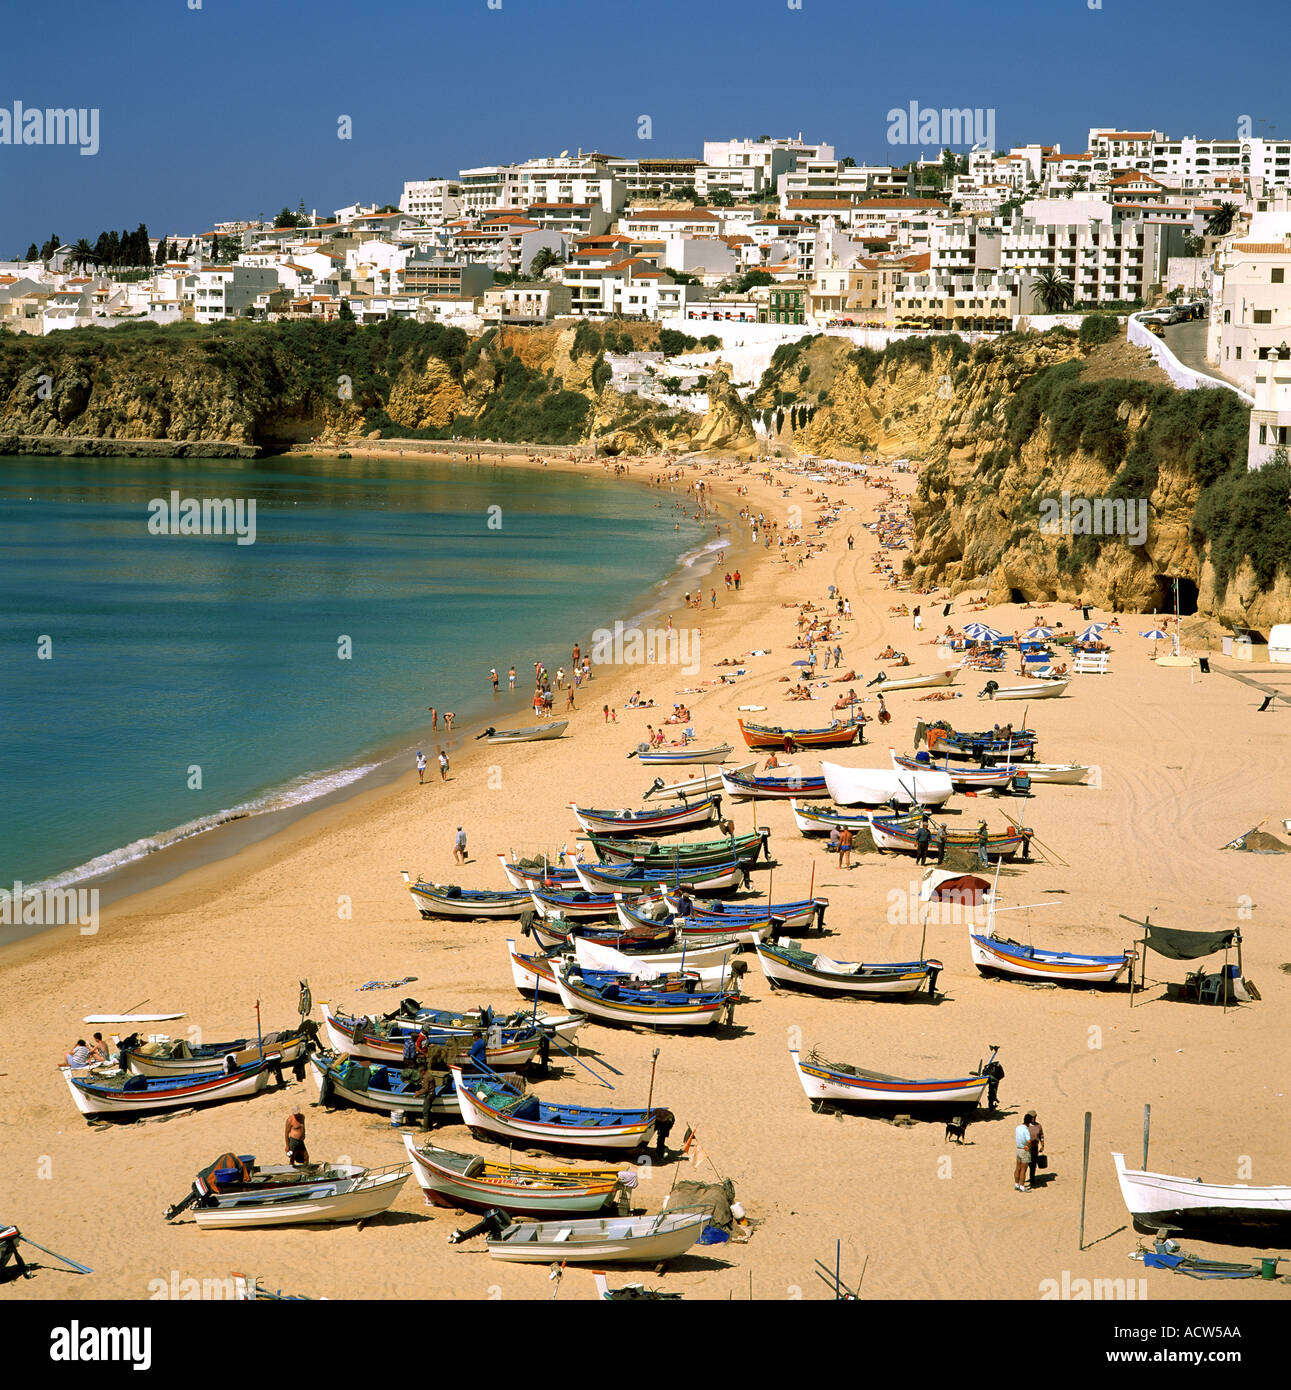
(711,964)
(785,964)
(96,1095)
(340,1193)
(828,1081)
(531,733)
(1158,1201)
(879,786)
(670,757)
(617,1239)
(1005,957)
(530,1121)
(695,786)
(1064,774)
(1031,690)
(918,682)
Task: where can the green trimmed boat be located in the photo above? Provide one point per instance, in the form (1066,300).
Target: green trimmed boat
(689,854)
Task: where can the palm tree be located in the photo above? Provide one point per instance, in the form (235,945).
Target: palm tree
(1078,184)
(1053,291)
(1220,222)
(83,254)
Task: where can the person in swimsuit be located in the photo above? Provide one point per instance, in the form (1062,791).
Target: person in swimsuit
(294,1134)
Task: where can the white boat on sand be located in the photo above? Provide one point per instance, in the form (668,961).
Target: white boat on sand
(917,682)
(1027,690)
(879,786)
(1158,1201)
(531,733)
(695,786)
(631,1239)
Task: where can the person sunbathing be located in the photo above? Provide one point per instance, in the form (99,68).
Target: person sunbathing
(887,654)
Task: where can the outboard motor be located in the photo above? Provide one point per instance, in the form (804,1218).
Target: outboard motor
(989,689)
(493,1223)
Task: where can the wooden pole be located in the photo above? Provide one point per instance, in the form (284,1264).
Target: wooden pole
(1147,1126)
(654,1062)
(1084,1180)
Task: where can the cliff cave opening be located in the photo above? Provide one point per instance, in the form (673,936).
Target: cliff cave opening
(1017,596)
(1187,595)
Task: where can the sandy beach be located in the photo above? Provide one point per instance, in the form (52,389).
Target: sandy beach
(1184,764)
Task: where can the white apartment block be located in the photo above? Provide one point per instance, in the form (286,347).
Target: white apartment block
(488,188)
(437,200)
(1251,310)
(216,293)
(665,222)
(831,178)
(570,179)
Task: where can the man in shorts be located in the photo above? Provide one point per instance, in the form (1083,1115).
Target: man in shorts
(1022,1156)
(294,1133)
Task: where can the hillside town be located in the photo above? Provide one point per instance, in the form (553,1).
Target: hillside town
(753,243)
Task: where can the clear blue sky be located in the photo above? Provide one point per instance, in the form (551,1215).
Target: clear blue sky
(231,110)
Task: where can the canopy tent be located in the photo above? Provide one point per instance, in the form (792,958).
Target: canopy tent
(1175,944)
(1188,945)
(950,886)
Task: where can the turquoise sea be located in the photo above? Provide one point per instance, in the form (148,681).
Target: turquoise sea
(153,686)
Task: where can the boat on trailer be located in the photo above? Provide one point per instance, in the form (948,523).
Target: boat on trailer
(767,737)
(472,1183)
(233,1192)
(491,1106)
(784,963)
(649,820)
(1160,1202)
(825,1080)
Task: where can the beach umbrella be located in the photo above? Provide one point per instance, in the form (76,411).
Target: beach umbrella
(1091,633)
(1038,634)
(1156,635)
(979,630)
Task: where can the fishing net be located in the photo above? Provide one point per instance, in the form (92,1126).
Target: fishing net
(1260,842)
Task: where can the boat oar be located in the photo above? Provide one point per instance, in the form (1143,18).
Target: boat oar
(71,1264)
(584,1065)
(1047,850)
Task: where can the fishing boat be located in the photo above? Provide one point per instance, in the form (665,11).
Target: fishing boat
(571,902)
(989,745)
(448,900)
(824,1080)
(526,873)
(553,932)
(179,1057)
(233,1192)
(125,1093)
(619,1239)
(784,786)
(534,973)
(137,1018)
(1065,774)
(787,964)
(377,1086)
(1002,956)
(530,733)
(902,835)
(772,737)
(630,878)
(689,854)
(711,965)
(682,754)
(820,820)
(493,1107)
(744,928)
(800,914)
(506,1046)
(917,682)
(472,1183)
(692,786)
(651,820)
(1158,1201)
(672,1002)
(1028,690)
(883,786)
(962,777)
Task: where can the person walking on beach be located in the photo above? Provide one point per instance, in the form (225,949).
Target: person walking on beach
(443,765)
(294,1137)
(918,620)
(421,766)
(569,703)
(459,846)
(736,578)
(885,715)
(1022,1153)
(1036,1130)
(728,579)
(845,848)
(493,676)
(851,544)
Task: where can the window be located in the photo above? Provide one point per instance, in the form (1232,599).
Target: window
(1237,353)
(1277,274)
(1263,316)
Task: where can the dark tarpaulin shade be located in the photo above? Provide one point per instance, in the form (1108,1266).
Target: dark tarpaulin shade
(1188,945)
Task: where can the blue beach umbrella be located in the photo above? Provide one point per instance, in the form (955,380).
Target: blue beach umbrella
(1156,635)
(1091,633)
(1038,634)
(981,633)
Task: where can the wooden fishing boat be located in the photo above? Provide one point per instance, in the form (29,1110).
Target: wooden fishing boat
(134,1018)
(620,1239)
(530,733)
(377,1086)
(918,682)
(820,820)
(1000,955)
(472,1183)
(786,964)
(824,1080)
(383,1041)
(689,854)
(783,786)
(711,965)
(800,914)
(179,1057)
(1159,1202)
(534,973)
(543,873)
(962,777)
(124,1093)
(448,900)
(693,786)
(983,746)
(773,737)
(650,820)
(744,930)
(682,754)
(881,786)
(554,932)
(632,879)
(1065,774)
(1027,690)
(676,1002)
(901,835)
(492,1107)
(572,902)
(233,1192)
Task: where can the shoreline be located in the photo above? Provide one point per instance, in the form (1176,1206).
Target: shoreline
(238,831)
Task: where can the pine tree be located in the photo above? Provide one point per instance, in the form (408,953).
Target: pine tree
(160,257)
(32,253)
